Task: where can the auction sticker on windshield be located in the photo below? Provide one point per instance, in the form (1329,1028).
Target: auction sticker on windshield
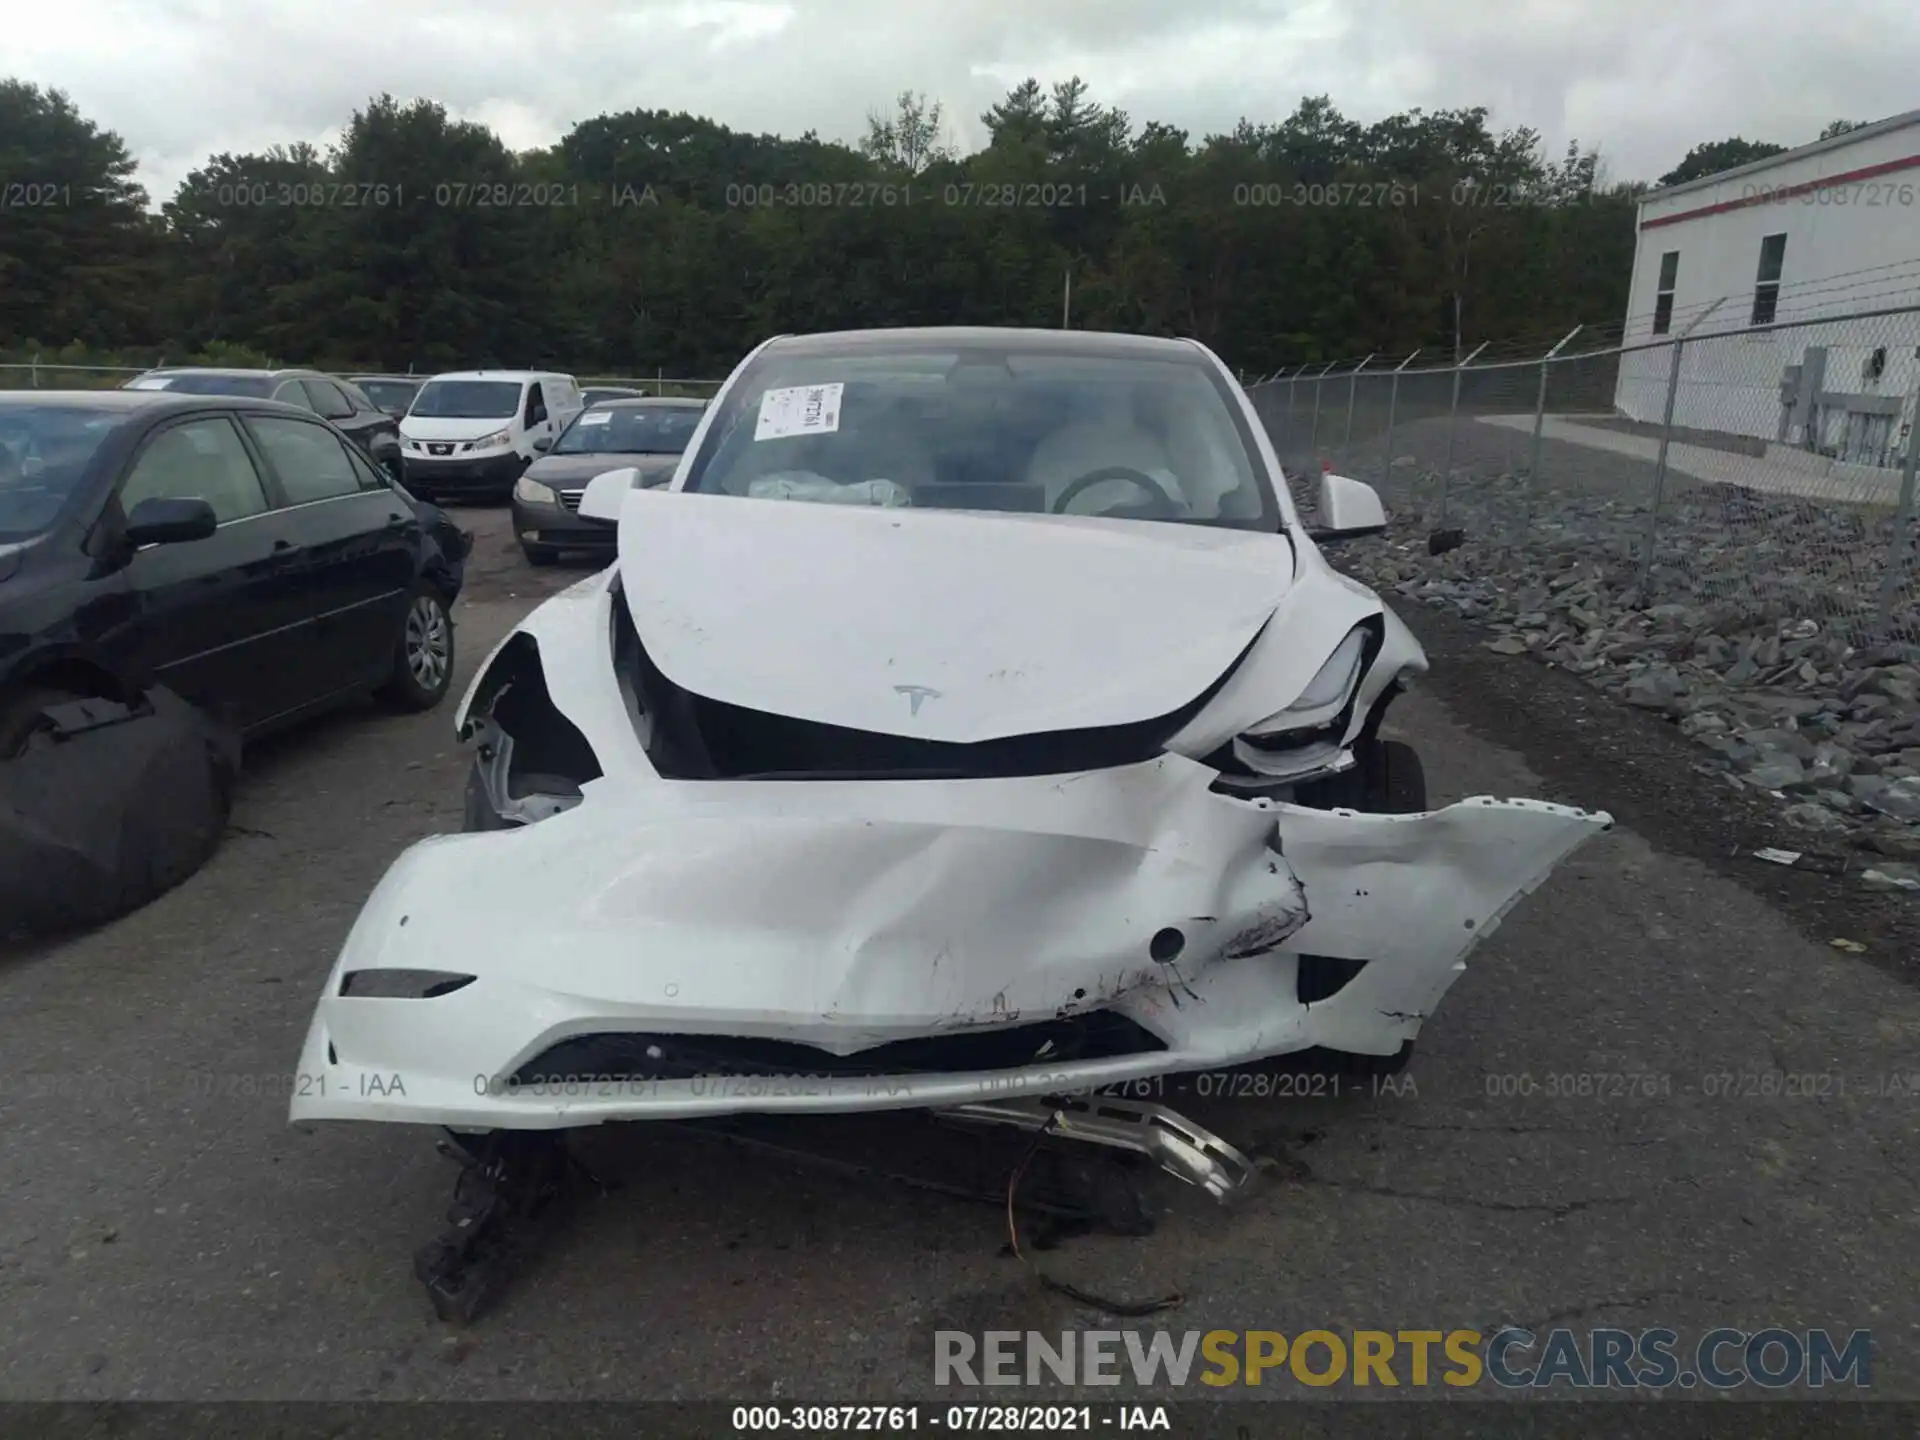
(597,417)
(799,410)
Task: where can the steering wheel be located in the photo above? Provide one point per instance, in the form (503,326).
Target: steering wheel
(1163,505)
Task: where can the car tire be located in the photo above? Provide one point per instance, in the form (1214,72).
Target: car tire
(20,716)
(539,555)
(423,654)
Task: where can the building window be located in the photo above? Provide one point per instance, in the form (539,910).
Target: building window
(1766,286)
(1663,299)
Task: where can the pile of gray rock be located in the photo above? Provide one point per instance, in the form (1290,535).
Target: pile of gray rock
(1772,679)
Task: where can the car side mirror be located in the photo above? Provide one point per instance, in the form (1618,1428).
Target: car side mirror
(160,521)
(543,443)
(607,493)
(1349,508)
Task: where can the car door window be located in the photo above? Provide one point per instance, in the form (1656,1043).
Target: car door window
(309,460)
(536,405)
(370,478)
(328,399)
(292,392)
(197,460)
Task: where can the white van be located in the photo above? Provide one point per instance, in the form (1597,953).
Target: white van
(470,433)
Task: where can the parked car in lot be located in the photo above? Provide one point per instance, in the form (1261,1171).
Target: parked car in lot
(340,402)
(392,393)
(596,394)
(647,436)
(471,434)
(240,552)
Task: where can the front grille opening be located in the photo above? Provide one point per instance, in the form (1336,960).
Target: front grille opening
(1097,1035)
(694,737)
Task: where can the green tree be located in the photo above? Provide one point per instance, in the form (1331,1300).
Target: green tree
(1719,155)
(79,255)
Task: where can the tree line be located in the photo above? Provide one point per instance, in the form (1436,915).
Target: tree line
(651,240)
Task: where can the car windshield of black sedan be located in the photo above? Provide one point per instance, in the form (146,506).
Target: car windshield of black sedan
(970,428)
(259,387)
(389,394)
(467,400)
(629,430)
(44,453)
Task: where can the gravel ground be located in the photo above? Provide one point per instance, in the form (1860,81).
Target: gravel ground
(167,1235)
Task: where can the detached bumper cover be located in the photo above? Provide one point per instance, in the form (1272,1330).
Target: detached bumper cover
(847,916)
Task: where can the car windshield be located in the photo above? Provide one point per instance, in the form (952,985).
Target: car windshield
(44,453)
(467,400)
(971,427)
(630,430)
(258,386)
(389,394)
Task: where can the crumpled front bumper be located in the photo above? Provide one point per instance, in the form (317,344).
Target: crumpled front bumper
(843,916)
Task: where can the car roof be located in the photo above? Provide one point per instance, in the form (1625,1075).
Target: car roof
(224,370)
(515,375)
(1095,344)
(650,402)
(141,400)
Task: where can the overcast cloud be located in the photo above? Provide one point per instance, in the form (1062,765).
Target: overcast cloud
(1641,79)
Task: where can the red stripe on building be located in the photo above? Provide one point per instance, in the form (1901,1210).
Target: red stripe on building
(1786,192)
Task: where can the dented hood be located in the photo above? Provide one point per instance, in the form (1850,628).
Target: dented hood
(942,625)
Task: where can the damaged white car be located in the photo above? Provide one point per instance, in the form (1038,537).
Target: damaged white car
(971,723)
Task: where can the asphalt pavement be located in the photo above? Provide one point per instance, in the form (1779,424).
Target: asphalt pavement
(165,1234)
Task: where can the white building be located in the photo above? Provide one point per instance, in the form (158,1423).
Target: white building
(1786,245)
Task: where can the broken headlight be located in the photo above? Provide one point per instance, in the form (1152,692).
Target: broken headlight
(1307,738)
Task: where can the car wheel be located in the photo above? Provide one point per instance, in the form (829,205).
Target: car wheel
(423,653)
(20,720)
(539,555)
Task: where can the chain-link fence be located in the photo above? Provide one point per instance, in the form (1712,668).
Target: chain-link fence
(1754,473)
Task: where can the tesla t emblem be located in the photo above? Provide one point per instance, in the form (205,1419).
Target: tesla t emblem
(915,694)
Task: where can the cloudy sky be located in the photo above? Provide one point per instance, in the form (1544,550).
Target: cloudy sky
(1641,79)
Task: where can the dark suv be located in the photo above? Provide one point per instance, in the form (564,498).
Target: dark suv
(339,401)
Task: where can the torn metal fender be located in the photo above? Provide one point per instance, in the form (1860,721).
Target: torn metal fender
(840,916)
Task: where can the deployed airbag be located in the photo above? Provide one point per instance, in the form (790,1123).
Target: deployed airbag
(119,805)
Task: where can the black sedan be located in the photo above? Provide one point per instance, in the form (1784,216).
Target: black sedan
(392,393)
(649,435)
(241,553)
(339,401)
